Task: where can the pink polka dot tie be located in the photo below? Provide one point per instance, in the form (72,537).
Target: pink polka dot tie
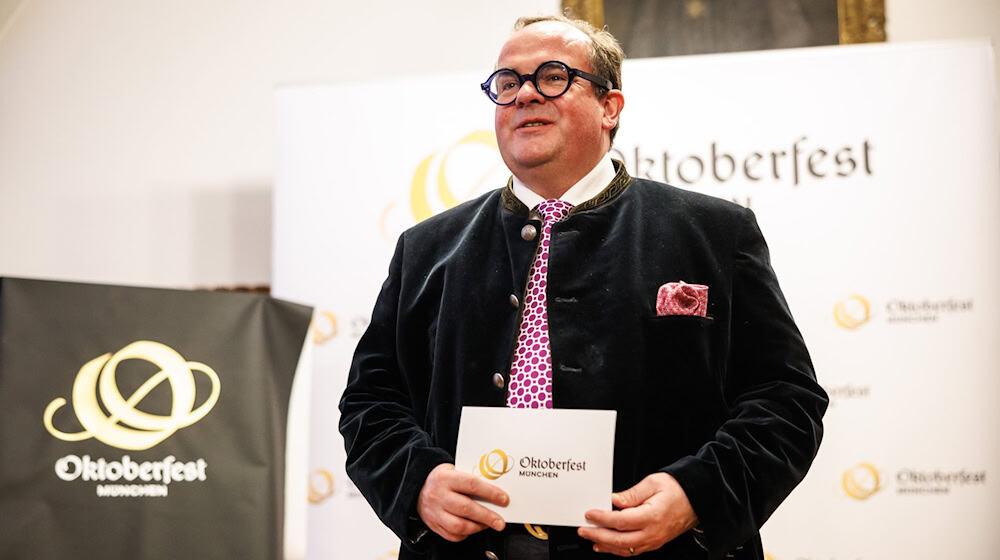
(531,371)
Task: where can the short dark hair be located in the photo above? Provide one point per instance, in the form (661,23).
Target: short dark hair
(606,54)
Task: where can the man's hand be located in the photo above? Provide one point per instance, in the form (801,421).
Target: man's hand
(652,513)
(446,506)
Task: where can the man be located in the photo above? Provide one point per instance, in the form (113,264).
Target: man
(719,413)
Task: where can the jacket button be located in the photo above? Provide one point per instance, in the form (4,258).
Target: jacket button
(498,380)
(514,301)
(491,556)
(528,232)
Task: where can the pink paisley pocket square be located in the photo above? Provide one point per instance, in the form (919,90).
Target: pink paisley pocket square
(681,298)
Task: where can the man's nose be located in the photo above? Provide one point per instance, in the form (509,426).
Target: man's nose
(528,93)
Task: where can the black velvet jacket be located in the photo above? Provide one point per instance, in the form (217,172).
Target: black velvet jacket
(727,404)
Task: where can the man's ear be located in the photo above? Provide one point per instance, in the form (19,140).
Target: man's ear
(613,103)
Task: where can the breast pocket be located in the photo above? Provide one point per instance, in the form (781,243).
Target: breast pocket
(679,345)
(683,395)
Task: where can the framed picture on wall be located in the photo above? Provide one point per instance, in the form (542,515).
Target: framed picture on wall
(650,28)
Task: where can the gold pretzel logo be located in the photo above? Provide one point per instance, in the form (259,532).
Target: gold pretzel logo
(435,185)
(494,464)
(125,426)
(419,205)
(861,481)
(536,531)
(320,486)
(852,312)
(324,327)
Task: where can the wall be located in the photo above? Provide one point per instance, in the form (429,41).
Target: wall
(136,137)
(921,20)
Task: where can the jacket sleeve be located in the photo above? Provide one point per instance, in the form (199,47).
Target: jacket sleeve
(389,454)
(773,429)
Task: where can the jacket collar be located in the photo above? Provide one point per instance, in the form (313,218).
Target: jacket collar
(614,189)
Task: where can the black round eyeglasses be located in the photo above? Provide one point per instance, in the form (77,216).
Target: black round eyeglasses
(551,79)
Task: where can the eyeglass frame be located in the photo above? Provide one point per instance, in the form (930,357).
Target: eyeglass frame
(571,74)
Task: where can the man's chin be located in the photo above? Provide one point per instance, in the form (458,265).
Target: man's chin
(527,160)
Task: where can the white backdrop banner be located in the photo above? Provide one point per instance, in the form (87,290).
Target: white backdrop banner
(873,171)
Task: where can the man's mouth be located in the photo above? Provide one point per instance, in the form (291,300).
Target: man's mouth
(533,124)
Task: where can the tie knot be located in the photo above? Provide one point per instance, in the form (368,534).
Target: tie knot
(554,209)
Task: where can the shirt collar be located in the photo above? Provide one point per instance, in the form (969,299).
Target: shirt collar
(586,188)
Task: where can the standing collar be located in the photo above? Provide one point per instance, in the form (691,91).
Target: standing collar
(585,189)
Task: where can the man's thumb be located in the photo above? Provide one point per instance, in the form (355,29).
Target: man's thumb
(628,498)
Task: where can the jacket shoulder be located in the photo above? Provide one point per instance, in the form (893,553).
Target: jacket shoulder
(661,197)
(458,217)
(454,231)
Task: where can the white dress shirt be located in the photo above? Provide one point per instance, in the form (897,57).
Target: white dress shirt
(585,189)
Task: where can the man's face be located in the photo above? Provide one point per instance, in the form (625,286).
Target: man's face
(569,133)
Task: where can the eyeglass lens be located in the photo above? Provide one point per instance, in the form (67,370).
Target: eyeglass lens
(551,80)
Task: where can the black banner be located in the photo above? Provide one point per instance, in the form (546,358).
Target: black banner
(143,423)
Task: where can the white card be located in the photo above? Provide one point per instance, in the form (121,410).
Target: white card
(554,463)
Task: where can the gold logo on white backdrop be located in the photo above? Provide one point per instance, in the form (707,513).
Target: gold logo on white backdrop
(852,312)
(125,426)
(445,178)
(419,202)
(320,486)
(861,481)
(324,327)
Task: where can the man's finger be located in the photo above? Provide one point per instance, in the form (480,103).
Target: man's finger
(609,540)
(452,513)
(465,507)
(634,495)
(631,519)
(472,485)
(454,528)
(625,552)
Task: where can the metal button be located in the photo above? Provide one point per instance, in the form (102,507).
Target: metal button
(529,232)
(498,380)
(514,301)
(491,556)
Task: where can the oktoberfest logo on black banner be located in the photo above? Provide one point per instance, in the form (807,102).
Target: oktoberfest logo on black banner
(143,423)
